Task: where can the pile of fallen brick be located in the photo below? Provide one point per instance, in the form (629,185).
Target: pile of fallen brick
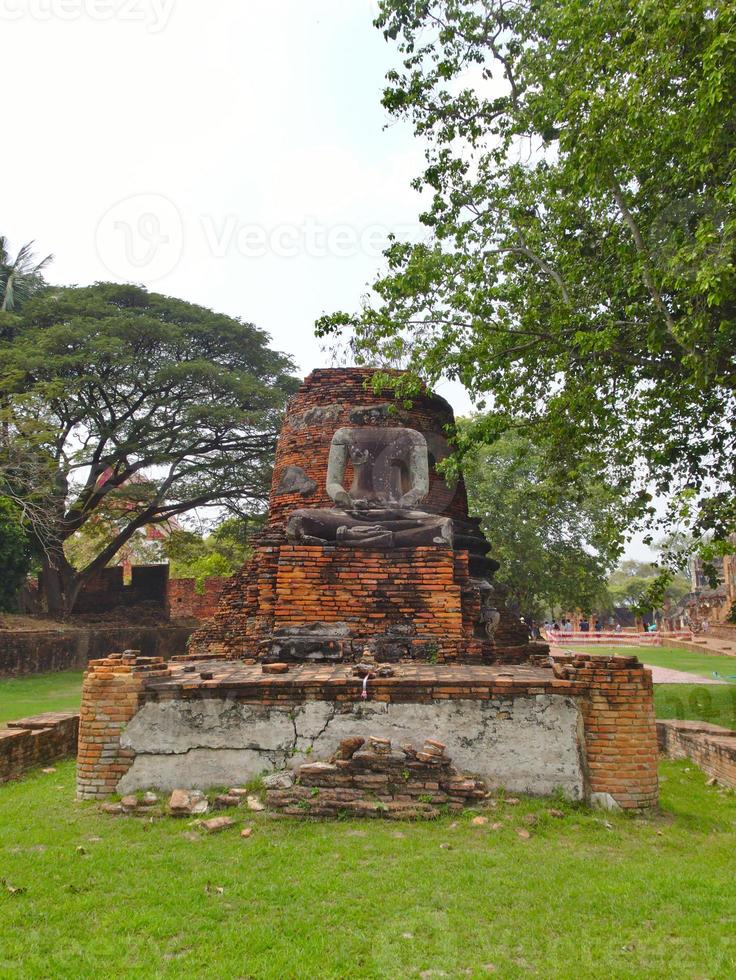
(375,780)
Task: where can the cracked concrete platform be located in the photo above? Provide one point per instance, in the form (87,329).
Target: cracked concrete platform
(516,727)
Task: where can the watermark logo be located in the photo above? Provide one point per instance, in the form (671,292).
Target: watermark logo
(141,238)
(310,238)
(153,15)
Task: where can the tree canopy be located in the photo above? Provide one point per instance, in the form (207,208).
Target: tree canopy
(223,552)
(642,586)
(578,272)
(119,400)
(553,542)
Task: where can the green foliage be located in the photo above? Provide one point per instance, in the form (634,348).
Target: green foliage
(20,277)
(136,406)
(15,556)
(553,538)
(223,552)
(643,586)
(579,272)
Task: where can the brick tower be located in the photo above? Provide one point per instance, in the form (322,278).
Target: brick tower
(304,599)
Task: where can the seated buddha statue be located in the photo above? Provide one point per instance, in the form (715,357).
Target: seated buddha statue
(390,477)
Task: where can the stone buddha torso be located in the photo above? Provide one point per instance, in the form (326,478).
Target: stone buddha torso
(390,469)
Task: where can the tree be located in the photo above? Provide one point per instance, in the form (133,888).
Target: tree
(644,586)
(223,552)
(15,556)
(110,392)
(20,277)
(552,542)
(578,274)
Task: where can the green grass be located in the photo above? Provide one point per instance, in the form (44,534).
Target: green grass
(697,702)
(589,895)
(715,703)
(23,696)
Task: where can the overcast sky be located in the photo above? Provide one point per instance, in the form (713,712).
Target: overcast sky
(232,153)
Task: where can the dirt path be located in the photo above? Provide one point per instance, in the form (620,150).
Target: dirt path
(665,675)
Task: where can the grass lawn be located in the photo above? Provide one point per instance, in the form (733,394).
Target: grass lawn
(23,696)
(697,702)
(589,895)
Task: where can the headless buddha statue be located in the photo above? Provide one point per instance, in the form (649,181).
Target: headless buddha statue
(390,477)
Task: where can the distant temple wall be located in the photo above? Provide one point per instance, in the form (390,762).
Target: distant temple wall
(178,598)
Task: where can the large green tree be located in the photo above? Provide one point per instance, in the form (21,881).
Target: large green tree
(553,541)
(113,395)
(222,552)
(578,273)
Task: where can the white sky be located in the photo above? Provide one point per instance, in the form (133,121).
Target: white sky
(232,153)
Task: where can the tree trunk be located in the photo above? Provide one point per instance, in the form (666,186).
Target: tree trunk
(59,584)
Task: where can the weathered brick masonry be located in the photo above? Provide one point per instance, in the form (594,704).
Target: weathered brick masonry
(185,602)
(427,594)
(37,741)
(111,695)
(47,651)
(620,732)
(618,746)
(711,747)
(378,781)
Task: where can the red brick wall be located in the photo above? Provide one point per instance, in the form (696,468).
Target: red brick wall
(711,747)
(110,697)
(185,602)
(37,741)
(620,738)
(426,589)
(369,589)
(106,590)
(620,731)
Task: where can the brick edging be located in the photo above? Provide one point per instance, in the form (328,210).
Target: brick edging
(37,741)
(711,747)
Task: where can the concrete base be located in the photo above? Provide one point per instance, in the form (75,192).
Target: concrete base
(525,744)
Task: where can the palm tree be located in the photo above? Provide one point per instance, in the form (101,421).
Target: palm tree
(19,277)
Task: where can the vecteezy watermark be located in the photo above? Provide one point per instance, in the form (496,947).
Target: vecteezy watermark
(288,240)
(154,15)
(141,238)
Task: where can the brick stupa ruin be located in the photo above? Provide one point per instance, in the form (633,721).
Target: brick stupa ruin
(368,608)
